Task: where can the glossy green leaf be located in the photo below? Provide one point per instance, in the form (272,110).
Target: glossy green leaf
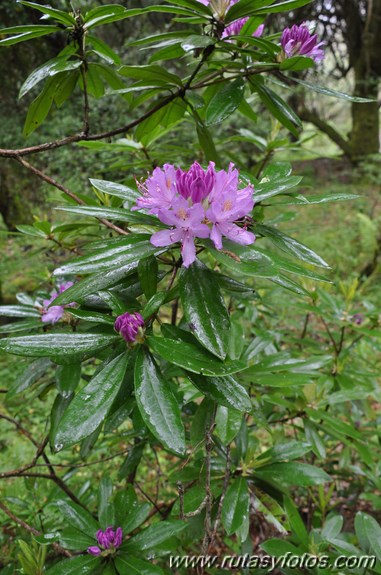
(284,451)
(228,423)
(293,473)
(23,33)
(333,93)
(103,50)
(58,345)
(35,371)
(65,87)
(67,378)
(296,522)
(77,517)
(224,391)
(207,144)
(51,68)
(156,534)
(39,108)
(296,63)
(90,406)
(333,525)
(134,566)
(148,276)
(58,15)
(19,311)
(105,507)
(81,565)
(155,74)
(205,308)
(119,214)
(368,532)
(224,102)
(192,357)
(157,404)
(277,106)
(236,505)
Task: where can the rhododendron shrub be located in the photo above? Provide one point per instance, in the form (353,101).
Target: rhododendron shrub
(153,352)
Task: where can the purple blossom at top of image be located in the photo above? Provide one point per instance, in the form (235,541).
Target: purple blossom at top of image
(298,41)
(108,539)
(234,28)
(128,325)
(197,203)
(54,313)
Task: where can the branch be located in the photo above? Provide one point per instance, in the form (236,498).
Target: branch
(31,529)
(66,191)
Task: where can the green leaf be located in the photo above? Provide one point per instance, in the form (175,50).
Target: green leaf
(49,69)
(291,246)
(58,15)
(205,308)
(156,534)
(105,15)
(207,144)
(224,102)
(192,357)
(235,508)
(277,106)
(77,517)
(228,423)
(284,451)
(333,526)
(23,33)
(103,50)
(292,473)
(194,42)
(148,270)
(58,345)
(91,405)
(119,214)
(333,93)
(296,522)
(156,75)
(29,376)
(134,566)
(157,404)
(39,108)
(105,507)
(296,63)
(368,532)
(81,565)
(65,87)
(19,311)
(127,250)
(115,189)
(224,391)
(67,378)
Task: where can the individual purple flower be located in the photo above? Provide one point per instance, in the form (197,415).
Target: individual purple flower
(357,318)
(235,28)
(298,41)
(187,222)
(54,313)
(107,540)
(158,190)
(128,325)
(195,184)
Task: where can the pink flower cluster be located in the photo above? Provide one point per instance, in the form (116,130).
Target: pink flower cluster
(108,539)
(54,313)
(298,41)
(235,27)
(197,203)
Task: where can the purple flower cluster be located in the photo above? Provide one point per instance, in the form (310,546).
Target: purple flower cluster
(197,203)
(128,325)
(235,27)
(298,41)
(54,313)
(108,539)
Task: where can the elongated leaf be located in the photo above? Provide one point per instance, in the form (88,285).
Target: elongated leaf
(235,508)
(105,507)
(157,404)
(30,375)
(192,357)
(292,246)
(156,534)
(57,15)
(228,423)
(134,566)
(293,473)
(330,92)
(20,36)
(90,406)
(19,311)
(155,74)
(205,308)
(277,106)
(48,69)
(120,214)
(224,391)
(224,102)
(77,517)
(115,189)
(296,521)
(104,50)
(81,565)
(148,276)
(368,532)
(60,345)
(39,108)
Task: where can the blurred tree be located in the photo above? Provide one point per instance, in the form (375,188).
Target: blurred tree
(352,32)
